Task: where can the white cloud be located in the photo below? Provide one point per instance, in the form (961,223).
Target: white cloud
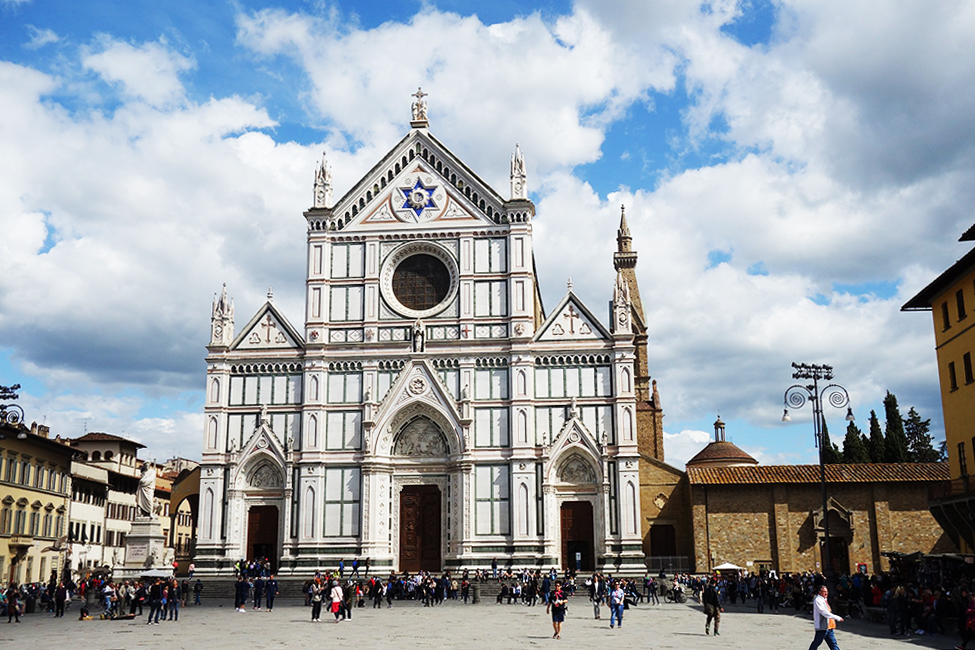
(40,37)
(681,447)
(149,71)
(851,162)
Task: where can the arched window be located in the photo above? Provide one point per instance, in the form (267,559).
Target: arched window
(629,509)
(522,426)
(212,434)
(96,455)
(208,513)
(523,509)
(627,424)
(215,390)
(312,431)
(309,516)
(625,381)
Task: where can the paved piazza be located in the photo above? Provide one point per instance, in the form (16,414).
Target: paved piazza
(409,625)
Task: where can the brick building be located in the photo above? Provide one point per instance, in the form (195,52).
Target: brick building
(727,508)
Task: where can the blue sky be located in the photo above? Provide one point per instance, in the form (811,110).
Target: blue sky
(793,172)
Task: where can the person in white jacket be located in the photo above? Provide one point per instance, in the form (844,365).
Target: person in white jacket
(336,595)
(824,621)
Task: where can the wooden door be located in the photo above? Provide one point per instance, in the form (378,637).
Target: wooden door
(419,537)
(577,536)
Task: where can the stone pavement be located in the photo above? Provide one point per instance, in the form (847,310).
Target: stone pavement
(215,626)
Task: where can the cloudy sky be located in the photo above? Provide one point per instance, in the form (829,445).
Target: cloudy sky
(793,172)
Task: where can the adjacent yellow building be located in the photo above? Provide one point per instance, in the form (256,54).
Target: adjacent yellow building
(951,300)
(35,492)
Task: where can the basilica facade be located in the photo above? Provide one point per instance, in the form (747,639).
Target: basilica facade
(427,412)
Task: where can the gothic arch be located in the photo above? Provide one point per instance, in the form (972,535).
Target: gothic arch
(243,478)
(420,437)
(384,442)
(576,468)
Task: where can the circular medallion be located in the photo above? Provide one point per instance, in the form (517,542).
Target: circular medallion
(417,385)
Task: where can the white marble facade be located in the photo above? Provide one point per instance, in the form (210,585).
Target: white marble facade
(424,365)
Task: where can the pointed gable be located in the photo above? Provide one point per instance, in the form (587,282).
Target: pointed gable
(418,182)
(268,330)
(571,320)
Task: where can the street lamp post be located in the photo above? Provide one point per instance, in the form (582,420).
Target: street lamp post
(796,397)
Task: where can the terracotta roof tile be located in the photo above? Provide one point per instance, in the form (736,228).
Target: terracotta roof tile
(864,473)
(97,436)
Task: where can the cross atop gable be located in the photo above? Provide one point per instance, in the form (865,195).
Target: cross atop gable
(268,330)
(571,321)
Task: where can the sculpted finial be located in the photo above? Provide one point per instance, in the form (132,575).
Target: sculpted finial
(519,178)
(323,185)
(419,106)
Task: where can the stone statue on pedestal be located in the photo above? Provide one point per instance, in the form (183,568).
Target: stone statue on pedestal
(146,492)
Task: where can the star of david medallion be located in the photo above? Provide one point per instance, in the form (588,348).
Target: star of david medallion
(419,201)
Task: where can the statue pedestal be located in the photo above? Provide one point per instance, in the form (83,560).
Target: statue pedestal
(145,550)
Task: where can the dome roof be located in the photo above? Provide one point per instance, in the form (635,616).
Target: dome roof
(721,454)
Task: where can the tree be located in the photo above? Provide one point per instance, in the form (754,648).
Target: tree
(831,453)
(895,441)
(855,445)
(943,451)
(920,449)
(876,444)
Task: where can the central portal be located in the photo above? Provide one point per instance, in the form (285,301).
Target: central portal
(577,536)
(262,534)
(419,528)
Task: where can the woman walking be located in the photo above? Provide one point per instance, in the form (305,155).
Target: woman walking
(315,593)
(558,604)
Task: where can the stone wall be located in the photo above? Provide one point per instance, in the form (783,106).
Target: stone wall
(775,524)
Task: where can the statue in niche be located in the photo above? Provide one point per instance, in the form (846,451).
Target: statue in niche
(577,471)
(418,336)
(420,438)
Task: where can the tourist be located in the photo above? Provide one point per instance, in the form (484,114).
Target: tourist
(315,596)
(616,605)
(558,604)
(13,602)
(597,590)
(197,590)
(60,597)
(824,621)
(712,607)
(270,591)
(258,592)
(336,597)
(967,625)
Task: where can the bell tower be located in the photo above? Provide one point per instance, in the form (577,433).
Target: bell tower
(649,411)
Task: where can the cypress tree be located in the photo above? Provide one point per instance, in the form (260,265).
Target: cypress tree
(855,445)
(875,446)
(895,441)
(919,447)
(831,453)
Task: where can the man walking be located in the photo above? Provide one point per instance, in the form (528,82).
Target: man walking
(712,607)
(824,621)
(270,591)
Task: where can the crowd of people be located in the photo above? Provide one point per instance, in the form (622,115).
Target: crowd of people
(115,599)
(919,607)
